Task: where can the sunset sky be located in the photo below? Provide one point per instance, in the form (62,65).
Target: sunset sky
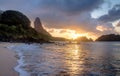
(71,18)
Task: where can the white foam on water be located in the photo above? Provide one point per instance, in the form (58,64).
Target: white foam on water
(18,49)
(53,60)
(18,67)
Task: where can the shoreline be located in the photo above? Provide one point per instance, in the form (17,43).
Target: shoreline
(8,61)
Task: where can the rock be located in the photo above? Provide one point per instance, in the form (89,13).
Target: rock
(39,28)
(11,17)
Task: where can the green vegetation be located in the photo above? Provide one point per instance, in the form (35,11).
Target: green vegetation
(15,27)
(18,33)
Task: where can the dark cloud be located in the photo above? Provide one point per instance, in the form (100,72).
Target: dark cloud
(82,23)
(35,7)
(66,13)
(113,14)
(71,14)
(70,6)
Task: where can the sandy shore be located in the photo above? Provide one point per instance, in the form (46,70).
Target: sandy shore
(7,61)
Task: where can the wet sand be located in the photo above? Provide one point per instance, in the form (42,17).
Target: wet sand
(7,61)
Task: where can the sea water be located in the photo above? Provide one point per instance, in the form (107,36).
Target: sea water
(84,59)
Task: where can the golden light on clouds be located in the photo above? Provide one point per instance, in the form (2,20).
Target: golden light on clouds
(101,28)
(117,29)
(69,34)
(66,33)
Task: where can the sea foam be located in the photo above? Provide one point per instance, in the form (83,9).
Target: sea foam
(20,49)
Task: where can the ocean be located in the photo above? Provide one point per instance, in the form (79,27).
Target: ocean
(84,59)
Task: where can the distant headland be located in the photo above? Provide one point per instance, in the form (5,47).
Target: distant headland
(109,37)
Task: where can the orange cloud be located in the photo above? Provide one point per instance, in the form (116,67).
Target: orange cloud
(69,34)
(101,28)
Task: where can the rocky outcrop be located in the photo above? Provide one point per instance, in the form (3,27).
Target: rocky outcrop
(15,27)
(39,28)
(11,17)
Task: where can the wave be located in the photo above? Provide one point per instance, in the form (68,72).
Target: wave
(20,49)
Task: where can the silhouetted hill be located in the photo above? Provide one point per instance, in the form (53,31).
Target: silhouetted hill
(11,17)
(58,39)
(109,37)
(0,13)
(83,39)
(15,27)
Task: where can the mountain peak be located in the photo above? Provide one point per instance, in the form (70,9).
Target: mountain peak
(39,28)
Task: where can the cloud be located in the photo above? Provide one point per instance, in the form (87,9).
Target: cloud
(103,28)
(70,34)
(82,22)
(113,14)
(118,24)
(70,6)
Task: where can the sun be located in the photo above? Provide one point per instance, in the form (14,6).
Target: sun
(75,36)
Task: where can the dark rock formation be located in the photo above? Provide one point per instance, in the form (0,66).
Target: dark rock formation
(15,27)
(39,28)
(110,37)
(11,17)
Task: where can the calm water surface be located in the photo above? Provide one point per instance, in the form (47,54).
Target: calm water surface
(84,59)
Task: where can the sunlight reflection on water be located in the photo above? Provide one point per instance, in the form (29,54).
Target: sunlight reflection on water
(85,59)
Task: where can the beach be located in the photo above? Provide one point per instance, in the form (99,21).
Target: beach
(7,61)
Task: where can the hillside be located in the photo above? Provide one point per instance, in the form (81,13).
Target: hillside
(15,27)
